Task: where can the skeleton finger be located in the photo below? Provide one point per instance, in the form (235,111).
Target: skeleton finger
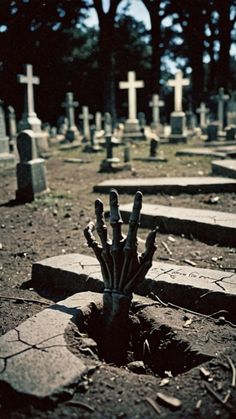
(103,234)
(150,246)
(92,242)
(117,241)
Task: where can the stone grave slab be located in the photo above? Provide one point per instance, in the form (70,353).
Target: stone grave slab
(34,357)
(205,225)
(168,185)
(224,168)
(219,143)
(199,289)
(76,160)
(200,152)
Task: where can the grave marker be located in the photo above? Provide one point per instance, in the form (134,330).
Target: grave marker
(224,168)
(231,110)
(72,133)
(86,117)
(177,118)
(132,124)
(107,123)
(12,126)
(203,112)
(29,118)
(156,104)
(31,172)
(5,157)
(205,225)
(222,98)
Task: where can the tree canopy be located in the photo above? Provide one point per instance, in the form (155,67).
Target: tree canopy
(194,35)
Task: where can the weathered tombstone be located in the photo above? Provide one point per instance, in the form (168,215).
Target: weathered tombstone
(156,104)
(127,154)
(31,173)
(132,127)
(85,116)
(221,98)
(142,120)
(12,126)
(5,157)
(203,112)
(178,118)
(62,125)
(94,146)
(107,123)
(71,131)
(231,110)
(212,131)
(98,121)
(230,132)
(29,118)
(154,144)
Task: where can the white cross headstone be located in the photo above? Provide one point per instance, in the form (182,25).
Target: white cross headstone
(30,81)
(178,84)
(132,84)
(203,111)
(156,104)
(85,116)
(222,98)
(70,106)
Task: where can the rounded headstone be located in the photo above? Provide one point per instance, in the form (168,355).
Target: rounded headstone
(26,146)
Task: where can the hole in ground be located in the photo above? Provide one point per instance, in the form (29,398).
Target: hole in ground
(160,346)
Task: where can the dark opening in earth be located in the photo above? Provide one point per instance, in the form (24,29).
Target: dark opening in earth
(159,346)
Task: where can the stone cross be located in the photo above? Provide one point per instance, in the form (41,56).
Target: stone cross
(203,111)
(132,84)
(178,84)
(222,98)
(156,104)
(85,116)
(70,106)
(30,81)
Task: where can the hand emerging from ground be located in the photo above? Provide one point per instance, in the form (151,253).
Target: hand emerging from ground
(122,267)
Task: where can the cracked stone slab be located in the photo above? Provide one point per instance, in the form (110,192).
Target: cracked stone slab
(34,358)
(205,225)
(199,289)
(224,168)
(168,185)
(200,152)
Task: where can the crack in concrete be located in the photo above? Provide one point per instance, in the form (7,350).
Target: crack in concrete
(30,346)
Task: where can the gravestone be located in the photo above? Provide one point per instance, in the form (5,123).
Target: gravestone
(155,155)
(111,163)
(62,125)
(5,157)
(108,123)
(203,112)
(12,126)
(230,132)
(231,110)
(213,131)
(224,168)
(31,172)
(94,146)
(98,121)
(86,117)
(29,120)
(142,120)
(71,131)
(178,118)
(169,185)
(156,104)
(221,98)
(208,226)
(132,127)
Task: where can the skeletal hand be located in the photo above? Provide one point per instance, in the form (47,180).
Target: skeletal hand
(123,268)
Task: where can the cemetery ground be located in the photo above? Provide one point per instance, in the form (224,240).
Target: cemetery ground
(53,224)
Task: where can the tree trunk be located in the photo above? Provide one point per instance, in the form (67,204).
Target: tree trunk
(223,8)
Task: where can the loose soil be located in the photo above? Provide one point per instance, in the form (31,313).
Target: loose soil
(54,224)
